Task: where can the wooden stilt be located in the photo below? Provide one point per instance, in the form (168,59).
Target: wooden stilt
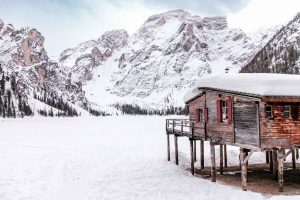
(243,155)
(213,162)
(297,154)
(221,159)
(202,154)
(176,149)
(294,159)
(267,157)
(271,161)
(168,147)
(275,164)
(195,150)
(281,156)
(192,156)
(284,157)
(225,155)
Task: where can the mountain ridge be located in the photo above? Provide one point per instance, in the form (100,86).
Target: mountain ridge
(151,68)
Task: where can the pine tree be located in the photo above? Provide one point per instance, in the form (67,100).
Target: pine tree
(2,84)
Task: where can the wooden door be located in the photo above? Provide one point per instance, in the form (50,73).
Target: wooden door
(246,123)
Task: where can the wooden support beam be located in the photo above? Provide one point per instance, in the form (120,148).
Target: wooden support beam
(287,154)
(168,147)
(213,162)
(195,150)
(267,157)
(243,157)
(275,164)
(221,159)
(192,156)
(248,155)
(297,154)
(293,159)
(176,149)
(202,154)
(281,157)
(225,155)
(271,161)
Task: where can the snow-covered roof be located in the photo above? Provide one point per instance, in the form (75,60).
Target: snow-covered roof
(258,84)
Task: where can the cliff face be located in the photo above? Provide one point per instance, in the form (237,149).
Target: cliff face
(281,53)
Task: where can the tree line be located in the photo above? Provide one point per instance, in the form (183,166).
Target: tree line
(133,109)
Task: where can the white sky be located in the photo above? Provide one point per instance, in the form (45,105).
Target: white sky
(65,23)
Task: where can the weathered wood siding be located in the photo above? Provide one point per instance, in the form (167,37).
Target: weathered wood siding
(222,131)
(199,127)
(250,127)
(279,131)
(246,122)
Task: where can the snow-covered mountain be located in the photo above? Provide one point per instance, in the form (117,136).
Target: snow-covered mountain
(28,77)
(281,53)
(157,64)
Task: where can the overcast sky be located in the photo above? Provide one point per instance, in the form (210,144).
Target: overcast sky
(65,23)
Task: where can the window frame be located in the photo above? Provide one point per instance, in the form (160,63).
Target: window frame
(289,111)
(271,111)
(224,110)
(200,115)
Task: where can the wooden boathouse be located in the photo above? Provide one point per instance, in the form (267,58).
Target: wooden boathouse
(256,112)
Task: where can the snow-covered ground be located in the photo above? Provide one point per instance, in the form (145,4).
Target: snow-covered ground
(101,158)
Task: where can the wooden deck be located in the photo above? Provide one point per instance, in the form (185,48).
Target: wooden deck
(180,127)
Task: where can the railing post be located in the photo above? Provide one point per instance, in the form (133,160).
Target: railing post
(173,127)
(167,121)
(181,127)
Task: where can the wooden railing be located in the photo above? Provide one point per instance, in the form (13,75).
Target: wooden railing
(179,126)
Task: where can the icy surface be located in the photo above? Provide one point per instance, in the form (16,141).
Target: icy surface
(102,158)
(258,84)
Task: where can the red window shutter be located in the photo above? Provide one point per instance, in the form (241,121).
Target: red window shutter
(218,110)
(230,109)
(197,115)
(206,114)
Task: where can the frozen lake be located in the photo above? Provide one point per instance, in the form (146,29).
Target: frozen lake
(100,158)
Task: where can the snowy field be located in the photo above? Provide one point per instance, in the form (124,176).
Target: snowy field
(99,159)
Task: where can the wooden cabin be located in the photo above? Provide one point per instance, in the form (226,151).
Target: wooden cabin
(256,112)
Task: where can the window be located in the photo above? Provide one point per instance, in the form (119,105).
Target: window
(200,115)
(269,111)
(286,111)
(224,110)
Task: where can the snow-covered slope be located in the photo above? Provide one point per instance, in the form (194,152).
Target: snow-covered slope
(157,64)
(281,53)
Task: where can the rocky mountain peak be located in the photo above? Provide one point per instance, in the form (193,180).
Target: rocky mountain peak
(31,47)
(114,39)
